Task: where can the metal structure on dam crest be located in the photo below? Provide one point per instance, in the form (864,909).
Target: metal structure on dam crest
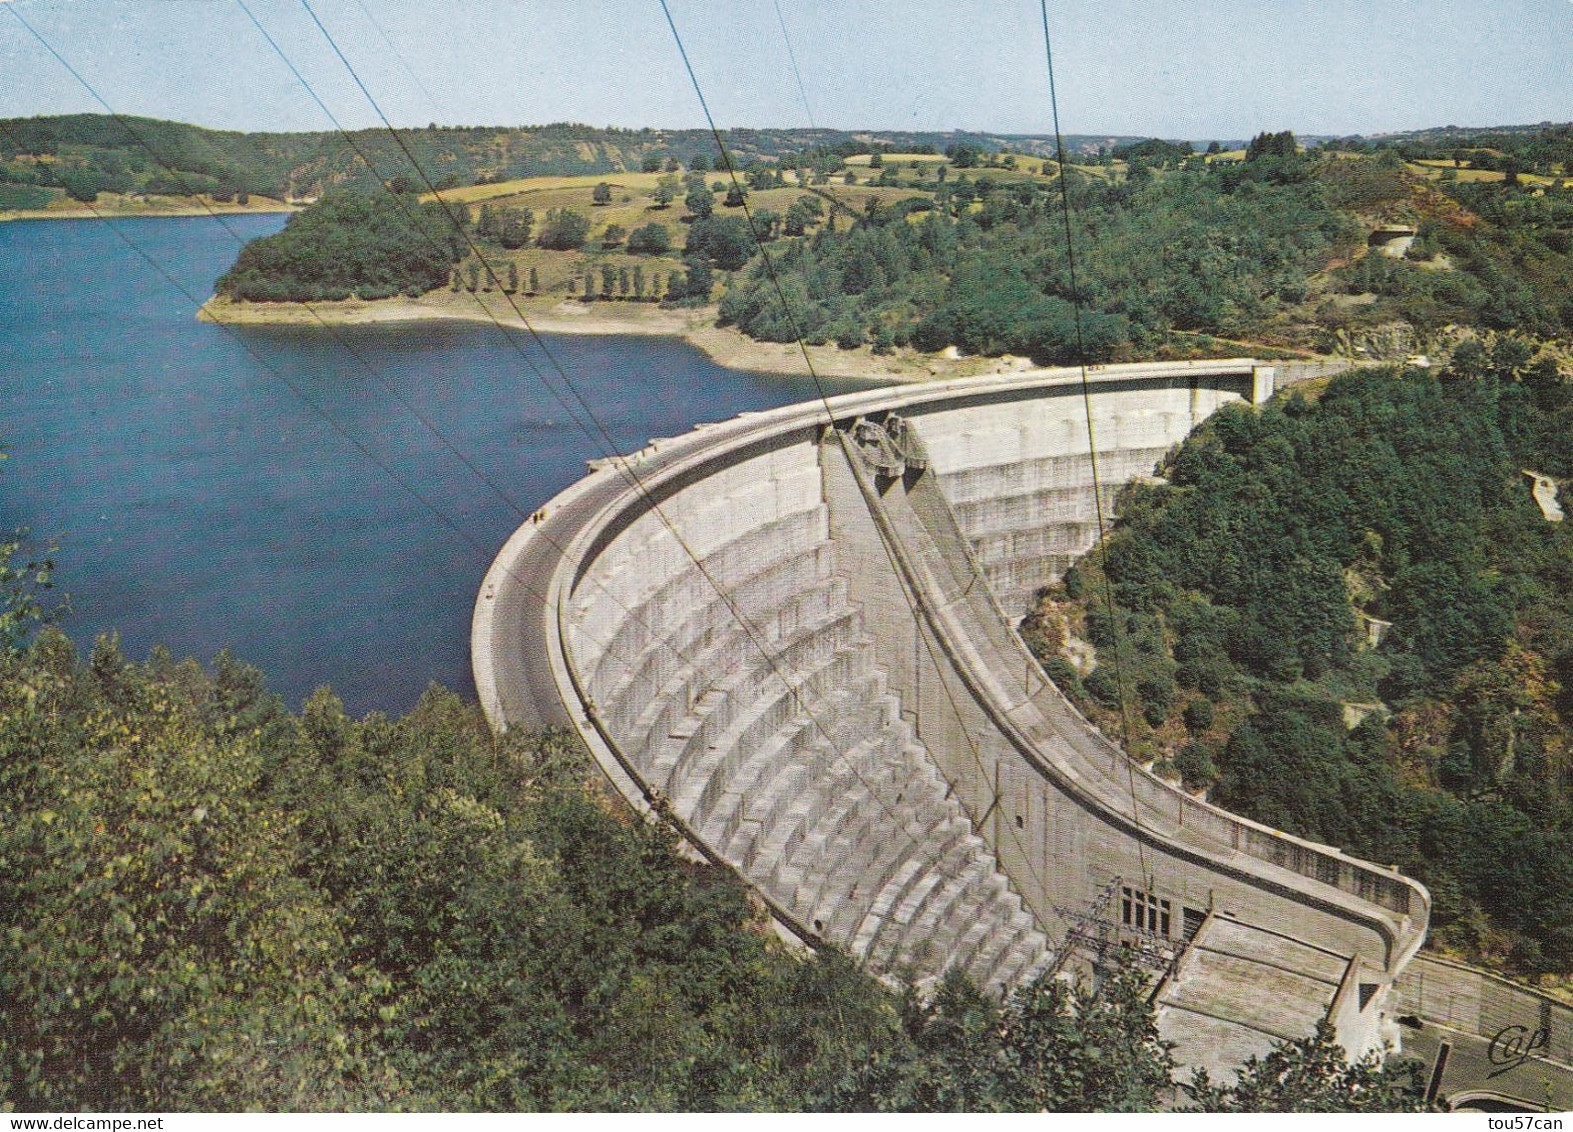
(792,634)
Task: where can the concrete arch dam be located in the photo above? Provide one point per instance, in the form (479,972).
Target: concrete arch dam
(794,635)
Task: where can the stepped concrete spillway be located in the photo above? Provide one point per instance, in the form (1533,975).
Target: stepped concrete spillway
(793,634)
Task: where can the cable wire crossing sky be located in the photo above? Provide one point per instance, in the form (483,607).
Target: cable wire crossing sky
(1172,68)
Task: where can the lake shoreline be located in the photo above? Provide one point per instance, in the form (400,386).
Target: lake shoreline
(153,213)
(724,345)
(267,495)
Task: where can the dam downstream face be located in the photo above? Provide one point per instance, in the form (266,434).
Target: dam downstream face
(794,638)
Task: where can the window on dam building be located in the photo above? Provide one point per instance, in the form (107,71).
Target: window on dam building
(1144,911)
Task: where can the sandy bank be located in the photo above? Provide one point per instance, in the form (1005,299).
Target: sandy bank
(101,212)
(722,344)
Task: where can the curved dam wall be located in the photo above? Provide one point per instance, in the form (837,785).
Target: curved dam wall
(1019,475)
(793,635)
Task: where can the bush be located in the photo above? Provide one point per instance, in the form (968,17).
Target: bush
(652,239)
(1102,686)
(563,230)
(1198,715)
(1064,675)
(1195,763)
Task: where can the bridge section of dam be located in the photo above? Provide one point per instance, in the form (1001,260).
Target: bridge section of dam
(793,635)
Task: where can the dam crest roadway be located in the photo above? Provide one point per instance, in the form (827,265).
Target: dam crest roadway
(793,634)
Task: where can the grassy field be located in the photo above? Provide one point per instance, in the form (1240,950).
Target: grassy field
(560,273)
(1434,169)
(475,194)
(862,159)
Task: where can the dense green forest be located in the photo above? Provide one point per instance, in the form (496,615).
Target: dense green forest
(1488,255)
(1269,248)
(372,247)
(980,264)
(1250,591)
(207,902)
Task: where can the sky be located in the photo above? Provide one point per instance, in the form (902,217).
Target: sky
(1185,69)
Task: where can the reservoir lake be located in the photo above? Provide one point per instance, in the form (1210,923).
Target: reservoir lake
(200,502)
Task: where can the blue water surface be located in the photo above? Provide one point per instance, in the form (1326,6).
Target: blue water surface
(201,502)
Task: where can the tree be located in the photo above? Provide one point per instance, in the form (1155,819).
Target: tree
(608,280)
(602,194)
(800,214)
(963,155)
(513,226)
(1198,715)
(1049,1047)
(698,283)
(665,191)
(876,160)
(563,230)
(639,282)
(535,283)
(651,239)
(622,282)
(474,271)
(1272,145)
(24,579)
(700,202)
(734,197)
(372,247)
(699,163)
(1313,1075)
(767,223)
(218,955)
(613,236)
(310,911)
(725,242)
(652,163)
(513,278)
(83,184)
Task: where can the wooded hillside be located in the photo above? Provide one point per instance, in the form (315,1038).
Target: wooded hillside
(1348,619)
